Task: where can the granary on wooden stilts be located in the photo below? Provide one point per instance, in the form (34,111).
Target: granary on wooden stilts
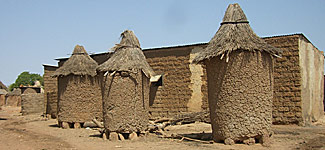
(79,94)
(125,79)
(240,81)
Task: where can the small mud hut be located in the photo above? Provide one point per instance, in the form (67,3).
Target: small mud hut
(79,95)
(13,98)
(125,88)
(240,82)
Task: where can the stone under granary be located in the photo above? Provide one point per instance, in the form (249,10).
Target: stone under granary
(125,79)
(79,96)
(240,81)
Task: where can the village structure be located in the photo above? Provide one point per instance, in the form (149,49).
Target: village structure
(239,68)
(128,72)
(238,82)
(79,95)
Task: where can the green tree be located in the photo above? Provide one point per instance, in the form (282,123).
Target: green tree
(25,78)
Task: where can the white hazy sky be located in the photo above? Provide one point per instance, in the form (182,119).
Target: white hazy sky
(35,32)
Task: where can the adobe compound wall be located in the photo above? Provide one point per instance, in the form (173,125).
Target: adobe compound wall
(298,80)
(182,84)
(287,81)
(32,103)
(50,91)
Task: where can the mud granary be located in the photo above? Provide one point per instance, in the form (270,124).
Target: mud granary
(125,84)
(79,96)
(240,81)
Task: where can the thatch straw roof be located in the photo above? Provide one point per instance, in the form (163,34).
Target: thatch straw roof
(80,63)
(127,56)
(234,34)
(3,92)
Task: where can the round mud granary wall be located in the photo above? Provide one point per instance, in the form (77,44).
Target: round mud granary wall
(240,95)
(125,83)
(79,99)
(126,102)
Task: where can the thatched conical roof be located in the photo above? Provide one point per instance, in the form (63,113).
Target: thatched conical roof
(234,34)
(80,63)
(127,56)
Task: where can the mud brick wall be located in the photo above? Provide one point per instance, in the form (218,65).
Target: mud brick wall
(50,91)
(173,97)
(32,103)
(204,89)
(51,103)
(287,102)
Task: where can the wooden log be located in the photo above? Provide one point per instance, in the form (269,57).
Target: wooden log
(187,138)
(160,132)
(162,125)
(191,117)
(99,124)
(162,120)
(152,128)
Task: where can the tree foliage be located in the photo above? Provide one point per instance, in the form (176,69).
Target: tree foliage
(25,78)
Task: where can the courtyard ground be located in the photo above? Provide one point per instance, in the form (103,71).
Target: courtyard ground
(33,132)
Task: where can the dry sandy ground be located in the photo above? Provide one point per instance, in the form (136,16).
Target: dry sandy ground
(30,132)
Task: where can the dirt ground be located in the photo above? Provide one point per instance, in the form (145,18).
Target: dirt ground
(33,132)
